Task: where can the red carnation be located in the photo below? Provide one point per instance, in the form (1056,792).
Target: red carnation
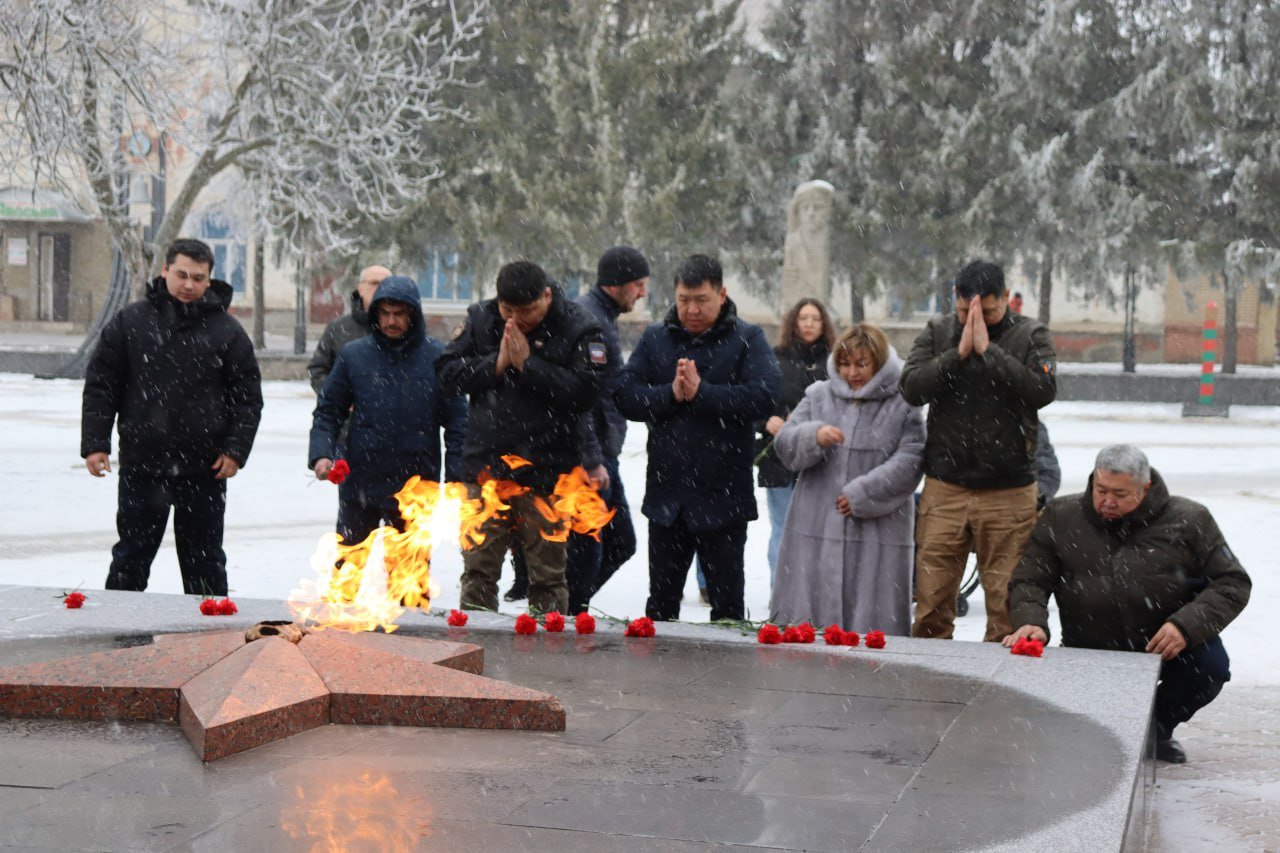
(769,635)
(833,635)
(851,638)
(1028,646)
(227,607)
(807,632)
(584,623)
(457,618)
(875,639)
(74,600)
(338,472)
(209,606)
(526,624)
(792,635)
(553,621)
(642,627)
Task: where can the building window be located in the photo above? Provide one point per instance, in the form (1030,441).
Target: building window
(230,252)
(444,278)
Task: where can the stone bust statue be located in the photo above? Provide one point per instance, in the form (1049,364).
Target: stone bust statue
(806,256)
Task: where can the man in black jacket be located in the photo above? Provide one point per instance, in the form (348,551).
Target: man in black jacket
(700,379)
(179,374)
(984,373)
(351,326)
(532,363)
(622,276)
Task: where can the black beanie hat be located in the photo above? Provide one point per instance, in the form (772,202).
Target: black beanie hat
(621,265)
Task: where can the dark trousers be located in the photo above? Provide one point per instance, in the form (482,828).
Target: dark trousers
(142,514)
(360,514)
(1189,682)
(591,562)
(671,549)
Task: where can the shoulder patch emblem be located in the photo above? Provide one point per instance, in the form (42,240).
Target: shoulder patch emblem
(599,355)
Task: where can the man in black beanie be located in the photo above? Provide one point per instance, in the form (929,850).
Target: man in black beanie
(984,372)
(622,279)
(532,363)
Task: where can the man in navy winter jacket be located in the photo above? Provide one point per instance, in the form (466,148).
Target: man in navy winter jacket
(388,384)
(700,379)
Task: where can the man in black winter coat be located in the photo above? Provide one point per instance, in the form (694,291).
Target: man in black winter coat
(984,372)
(351,326)
(700,379)
(622,276)
(179,374)
(532,363)
(388,386)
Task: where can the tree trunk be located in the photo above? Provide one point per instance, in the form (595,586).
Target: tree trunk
(1230,329)
(857,305)
(1130,357)
(259,292)
(1046,286)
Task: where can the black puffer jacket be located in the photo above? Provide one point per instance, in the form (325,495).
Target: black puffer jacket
(181,378)
(1117,582)
(533,413)
(340,332)
(983,416)
(801,365)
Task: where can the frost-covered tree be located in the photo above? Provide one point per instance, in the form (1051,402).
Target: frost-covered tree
(325,105)
(597,123)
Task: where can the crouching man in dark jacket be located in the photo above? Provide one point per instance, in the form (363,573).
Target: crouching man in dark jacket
(1134,569)
(532,363)
(700,379)
(178,373)
(389,385)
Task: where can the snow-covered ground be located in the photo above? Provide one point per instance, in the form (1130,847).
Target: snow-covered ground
(57,524)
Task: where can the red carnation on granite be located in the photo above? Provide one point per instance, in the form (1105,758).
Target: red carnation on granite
(807,632)
(792,634)
(553,621)
(526,624)
(209,606)
(227,607)
(338,472)
(833,635)
(768,635)
(457,618)
(1028,646)
(642,627)
(875,639)
(74,600)
(584,623)
(851,638)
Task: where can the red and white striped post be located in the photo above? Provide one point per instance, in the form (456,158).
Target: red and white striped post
(1210,352)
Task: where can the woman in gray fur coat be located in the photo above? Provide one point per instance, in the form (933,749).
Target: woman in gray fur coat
(846,551)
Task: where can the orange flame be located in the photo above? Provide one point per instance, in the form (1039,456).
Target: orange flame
(332,815)
(351,594)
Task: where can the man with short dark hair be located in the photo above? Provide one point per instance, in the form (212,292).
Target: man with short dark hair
(533,363)
(179,374)
(622,279)
(1135,569)
(351,326)
(984,372)
(387,384)
(700,379)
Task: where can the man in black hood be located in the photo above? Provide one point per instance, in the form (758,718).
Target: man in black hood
(387,385)
(179,374)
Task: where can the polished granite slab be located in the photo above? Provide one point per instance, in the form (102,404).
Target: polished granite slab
(697,737)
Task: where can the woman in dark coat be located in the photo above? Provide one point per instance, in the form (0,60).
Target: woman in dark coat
(805,341)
